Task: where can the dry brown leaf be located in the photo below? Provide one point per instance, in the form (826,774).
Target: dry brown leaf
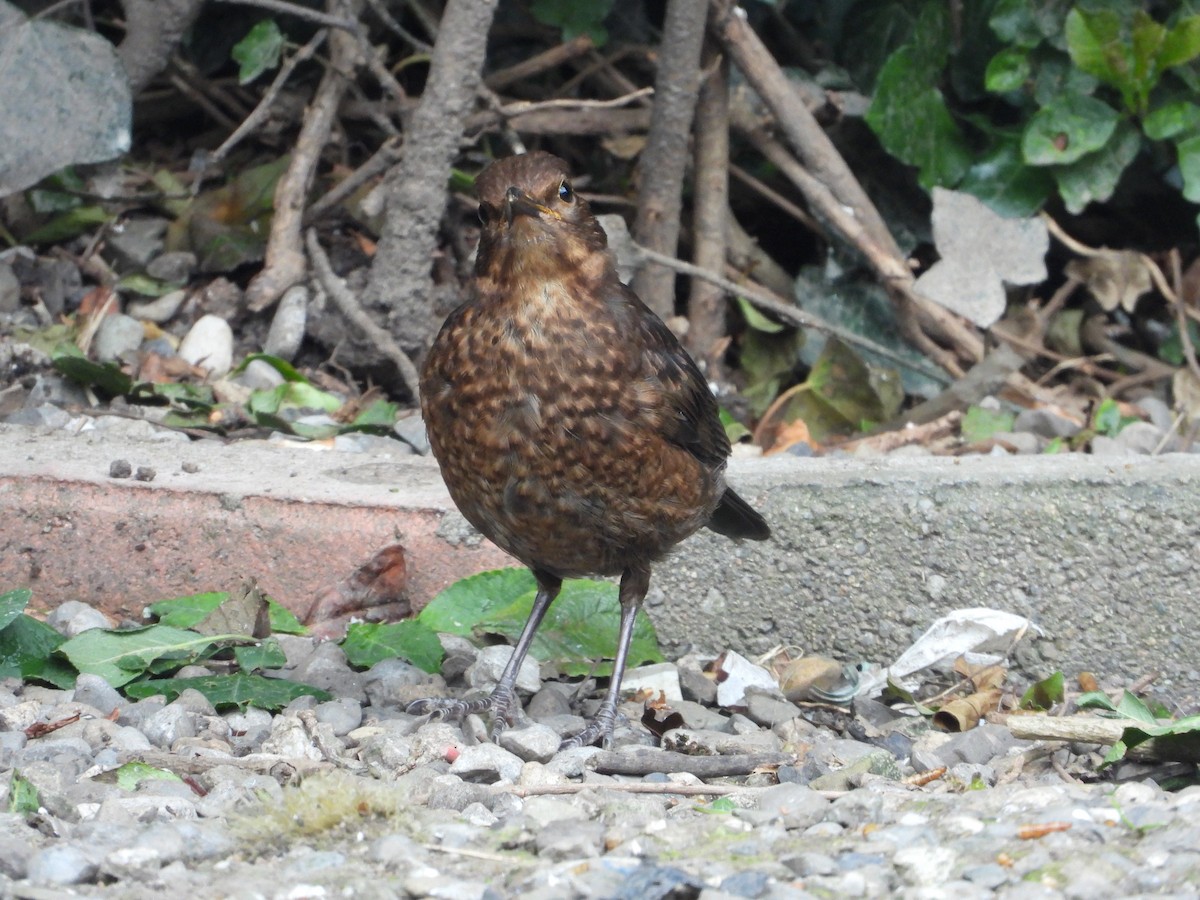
(1115,277)
(964,713)
(1033,832)
(789,435)
(1087,682)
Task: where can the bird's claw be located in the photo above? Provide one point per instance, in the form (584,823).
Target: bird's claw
(446,708)
(600,728)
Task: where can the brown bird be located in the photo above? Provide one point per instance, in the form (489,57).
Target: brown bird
(571,427)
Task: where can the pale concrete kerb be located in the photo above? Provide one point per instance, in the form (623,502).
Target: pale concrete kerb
(1103,554)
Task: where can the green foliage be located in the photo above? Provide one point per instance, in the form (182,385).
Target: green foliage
(27,645)
(1045,693)
(1073,93)
(121,656)
(1107,419)
(980,424)
(367,643)
(575,17)
(258,51)
(226,691)
(580,628)
(1185,731)
(131,775)
(23,799)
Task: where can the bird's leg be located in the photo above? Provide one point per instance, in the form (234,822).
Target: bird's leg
(503,698)
(634,584)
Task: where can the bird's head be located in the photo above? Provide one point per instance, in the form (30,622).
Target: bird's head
(534,224)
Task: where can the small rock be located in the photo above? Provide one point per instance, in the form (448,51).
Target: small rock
(1140,438)
(396,683)
(487,764)
(1160,414)
(160,309)
(660,678)
(531,742)
(62,864)
(209,345)
(570,840)
(44,416)
(342,715)
(794,805)
(1024,442)
(287,327)
(173,267)
(695,684)
(117,338)
(14,857)
(411,430)
(978,746)
(489,665)
(73,617)
(259,375)
(169,724)
(768,709)
(289,738)
(97,692)
(144,473)
(10,290)
(925,865)
(1046,424)
(136,241)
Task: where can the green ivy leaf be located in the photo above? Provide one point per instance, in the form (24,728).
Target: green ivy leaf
(1045,693)
(23,799)
(131,775)
(980,424)
(1068,129)
(1181,44)
(1008,70)
(1171,120)
(911,119)
(367,643)
(258,51)
(121,656)
(26,651)
(108,377)
(1002,180)
(1094,177)
(70,224)
(1189,166)
(460,607)
(266,654)
(575,17)
(184,612)
(224,691)
(12,604)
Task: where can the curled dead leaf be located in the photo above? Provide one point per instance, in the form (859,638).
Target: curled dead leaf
(964,713)
(816,678)
(1087,682)
(923,778)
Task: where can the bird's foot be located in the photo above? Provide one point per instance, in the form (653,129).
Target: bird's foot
(599,729)
(501,703)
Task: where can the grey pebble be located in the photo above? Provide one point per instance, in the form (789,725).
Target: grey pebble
(62,864)
(287,326)
(118,337)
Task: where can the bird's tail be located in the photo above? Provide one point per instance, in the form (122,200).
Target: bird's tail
(736,518)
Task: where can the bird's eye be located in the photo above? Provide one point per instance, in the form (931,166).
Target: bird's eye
(565,194)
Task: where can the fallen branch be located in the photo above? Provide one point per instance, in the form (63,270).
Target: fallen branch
(642,787)
(1097,730)
(357,316)
(660,762)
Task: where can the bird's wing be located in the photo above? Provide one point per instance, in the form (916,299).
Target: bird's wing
(689,416)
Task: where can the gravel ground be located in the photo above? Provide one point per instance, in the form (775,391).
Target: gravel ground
(354,798)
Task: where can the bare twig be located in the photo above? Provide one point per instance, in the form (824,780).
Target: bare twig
(1090,729)
(710,212)
(543,61)
(655,761)
(358,317)
(789,312)
(643,787)
(769,193)
(259,114)
(663,160)
(303,12)
(381,160)
(285,263)
(381,10)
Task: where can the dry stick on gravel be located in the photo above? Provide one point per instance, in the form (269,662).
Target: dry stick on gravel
(381,160)
(788,311)
(357,316)
(710,210)
(642,787)
(835,193)
(649,762)
(664,158)
(285,263)
(260,112)
(401,276)
(1098,730)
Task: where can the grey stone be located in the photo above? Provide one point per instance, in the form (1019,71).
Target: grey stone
(118,337)
(1022,441)
(136,241)
(1160,414)
(1043,422)
(73,617)
(10,289)
(174,266)
(485,672)
(693,682)
(395,683)
(794,805)
(924,865)
(14,857)
(43,416)
(62,864)
(570,840)
(209,345)
(411,430)
(169,724)
(986,875)
(531,742)
(810,863)
(979,746)
(396,851)
(160,310)
(341,714)
(1140,438)
(326,668)
(769,709)
(259,375)
(288,324)
(487,763)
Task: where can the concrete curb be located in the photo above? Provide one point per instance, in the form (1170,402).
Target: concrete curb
(1103,554)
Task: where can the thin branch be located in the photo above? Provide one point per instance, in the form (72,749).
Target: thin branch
(301,12)
(259,114)
(381,160)
(790,313)
(357,316)
(535,65)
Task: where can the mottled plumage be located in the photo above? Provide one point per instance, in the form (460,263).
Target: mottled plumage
(571,427)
